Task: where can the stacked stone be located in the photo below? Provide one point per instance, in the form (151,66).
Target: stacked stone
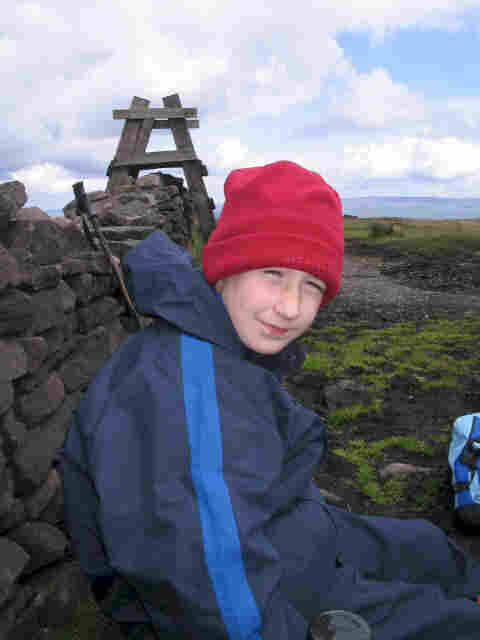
(61,318)
(155,201)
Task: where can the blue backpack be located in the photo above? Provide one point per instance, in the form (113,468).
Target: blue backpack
(464,461)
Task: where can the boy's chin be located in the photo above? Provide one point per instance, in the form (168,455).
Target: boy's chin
(268,350)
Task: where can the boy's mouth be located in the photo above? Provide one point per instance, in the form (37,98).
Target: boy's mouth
(273,330)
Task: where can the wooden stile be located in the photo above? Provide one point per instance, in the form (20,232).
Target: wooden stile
(131,156)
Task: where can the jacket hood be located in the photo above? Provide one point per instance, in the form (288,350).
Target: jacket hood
(163,282)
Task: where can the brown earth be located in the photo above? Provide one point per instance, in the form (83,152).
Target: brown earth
(377,293)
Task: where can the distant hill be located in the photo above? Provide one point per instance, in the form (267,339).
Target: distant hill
(405,207)
(380,206)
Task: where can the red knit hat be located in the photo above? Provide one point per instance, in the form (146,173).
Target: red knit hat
(278,215)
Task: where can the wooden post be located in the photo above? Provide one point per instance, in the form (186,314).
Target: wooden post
(193,169)
(134,139)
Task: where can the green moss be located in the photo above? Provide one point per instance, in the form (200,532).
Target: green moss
(393,491)
(435,356)
(444,438)
(365,456)
(348,414)
(322,359)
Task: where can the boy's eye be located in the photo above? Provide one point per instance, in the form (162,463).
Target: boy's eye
(277,273)
(318,287)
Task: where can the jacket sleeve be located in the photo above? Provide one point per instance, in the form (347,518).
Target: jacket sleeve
(80,505)
(307,446)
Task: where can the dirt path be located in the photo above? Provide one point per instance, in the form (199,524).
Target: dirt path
(366,292)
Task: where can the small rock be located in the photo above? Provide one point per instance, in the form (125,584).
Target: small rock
(95,196)
(401,467)
(32,213)
(12,197)
(345,393)
(331,497)
(152,180)
(62,221)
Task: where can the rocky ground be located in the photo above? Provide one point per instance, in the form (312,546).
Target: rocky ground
(381,290)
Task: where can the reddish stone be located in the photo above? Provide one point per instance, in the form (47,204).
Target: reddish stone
(32,213)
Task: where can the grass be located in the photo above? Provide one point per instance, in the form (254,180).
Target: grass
(422,237)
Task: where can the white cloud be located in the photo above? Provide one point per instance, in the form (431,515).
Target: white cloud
(448,158)
(438,159)
(373,100)
(51,179)
(383,17)
(256,71)
(231,152)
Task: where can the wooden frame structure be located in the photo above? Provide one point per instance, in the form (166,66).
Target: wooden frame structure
(131,156)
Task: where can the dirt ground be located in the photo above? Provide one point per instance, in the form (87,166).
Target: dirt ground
(377,293)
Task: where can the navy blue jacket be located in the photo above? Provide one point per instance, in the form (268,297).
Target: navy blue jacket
(183,451)
(187,473)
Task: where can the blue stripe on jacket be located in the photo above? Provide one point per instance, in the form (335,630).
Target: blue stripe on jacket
(220,535)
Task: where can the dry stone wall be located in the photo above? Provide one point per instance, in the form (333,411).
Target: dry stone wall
(61,317)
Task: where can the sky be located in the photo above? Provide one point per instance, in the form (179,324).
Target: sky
(380,97)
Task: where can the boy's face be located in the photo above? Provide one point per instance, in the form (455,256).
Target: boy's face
(284,298)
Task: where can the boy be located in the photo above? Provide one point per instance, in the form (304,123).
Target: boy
(188,468)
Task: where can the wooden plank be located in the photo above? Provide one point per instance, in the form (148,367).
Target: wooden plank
(142,142)
(136,114)
(181,136)
(163,124)
(193,170)
(146,160)
(127,143)
(128,139)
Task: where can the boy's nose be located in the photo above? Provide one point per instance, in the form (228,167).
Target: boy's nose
(289,303)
